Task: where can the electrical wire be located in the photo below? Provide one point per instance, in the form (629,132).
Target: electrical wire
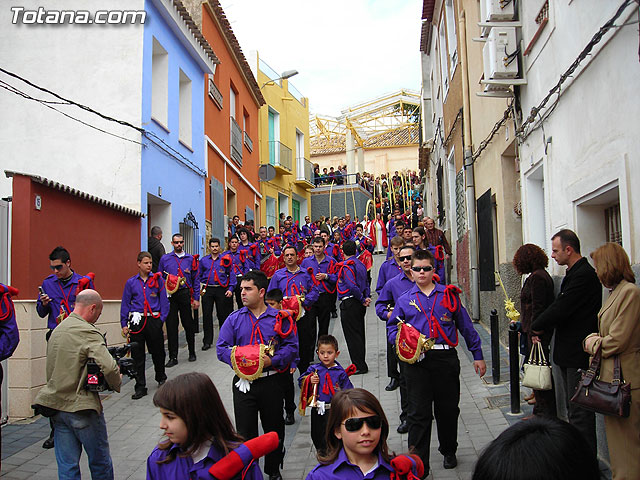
(149,135)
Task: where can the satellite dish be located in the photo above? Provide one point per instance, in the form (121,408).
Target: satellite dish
(266,173)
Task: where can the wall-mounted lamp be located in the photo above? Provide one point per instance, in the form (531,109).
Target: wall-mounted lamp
(284,76)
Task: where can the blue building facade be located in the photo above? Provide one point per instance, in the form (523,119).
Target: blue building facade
(175,62)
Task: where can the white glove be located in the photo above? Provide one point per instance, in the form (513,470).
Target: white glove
(243,385)
(321,409)
(136,318)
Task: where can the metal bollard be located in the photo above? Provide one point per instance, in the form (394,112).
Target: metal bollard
(495,347)
(514,368)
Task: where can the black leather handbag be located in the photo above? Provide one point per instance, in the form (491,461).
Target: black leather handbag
(603,397)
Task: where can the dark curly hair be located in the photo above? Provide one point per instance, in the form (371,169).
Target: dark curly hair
(529,258)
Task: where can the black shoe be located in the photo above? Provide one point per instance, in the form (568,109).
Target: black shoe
(361,371)
(334,314)
(393,384)
(450,461)
(403,427)
(289,419)
(48,443)
(139,394)
(171,363)
(206,347)
(192,357)
(161,382)
(275,476)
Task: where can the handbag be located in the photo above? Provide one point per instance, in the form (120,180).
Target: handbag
(603,397)
(537,371)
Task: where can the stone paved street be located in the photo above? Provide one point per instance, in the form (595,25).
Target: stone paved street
(133,425)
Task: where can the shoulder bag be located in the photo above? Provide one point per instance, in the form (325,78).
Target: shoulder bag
(603,397)
(537,371)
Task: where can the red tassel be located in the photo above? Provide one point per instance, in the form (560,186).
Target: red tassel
(351,369)
(195,263)
(450,298)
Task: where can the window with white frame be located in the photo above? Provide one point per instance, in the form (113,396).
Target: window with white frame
(444,70)
(160,84)
(184,110)
(452,41)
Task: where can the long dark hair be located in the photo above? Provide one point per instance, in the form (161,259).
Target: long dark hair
(194,398)
(343,406)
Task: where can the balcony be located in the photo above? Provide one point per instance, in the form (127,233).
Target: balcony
(304,173)
(280,157)
(236,142)
(248,142)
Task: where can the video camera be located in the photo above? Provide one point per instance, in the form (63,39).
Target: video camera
(95,377)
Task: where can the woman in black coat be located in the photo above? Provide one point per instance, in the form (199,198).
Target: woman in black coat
(536,295)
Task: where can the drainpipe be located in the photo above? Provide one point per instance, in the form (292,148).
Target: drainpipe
(470,187)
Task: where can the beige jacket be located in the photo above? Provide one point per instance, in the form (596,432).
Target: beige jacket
(70,345)
(619,327)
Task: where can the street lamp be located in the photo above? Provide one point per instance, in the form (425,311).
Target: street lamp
(283,76)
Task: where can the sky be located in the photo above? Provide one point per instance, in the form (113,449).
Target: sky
(346,51)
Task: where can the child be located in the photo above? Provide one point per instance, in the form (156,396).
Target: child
(198,430)
(273,298)
(329,377)
(356,437)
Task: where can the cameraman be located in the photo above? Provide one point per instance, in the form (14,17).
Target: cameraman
(78,419)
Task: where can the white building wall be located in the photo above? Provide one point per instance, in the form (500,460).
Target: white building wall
(99,66)
(587,158)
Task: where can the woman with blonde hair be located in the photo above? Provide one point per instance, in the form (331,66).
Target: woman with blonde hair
(619,334)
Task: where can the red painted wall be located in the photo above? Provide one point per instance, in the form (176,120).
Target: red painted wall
(99,239)
(217,125)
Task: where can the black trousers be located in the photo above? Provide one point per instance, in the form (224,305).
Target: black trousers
(404,395)
(306,341)
(392,362)
(581,418)
(237,293)
(352,318)
(264,399)
(180,302)
(321,312)
(152,336)
(332,302)
(433,388)
(289,393)
(224,306)
(319,430)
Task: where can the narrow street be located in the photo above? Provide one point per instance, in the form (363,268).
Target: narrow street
(133,424)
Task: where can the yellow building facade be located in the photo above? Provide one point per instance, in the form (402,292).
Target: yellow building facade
(283,131)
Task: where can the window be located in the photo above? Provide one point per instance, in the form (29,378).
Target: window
(232,103)
(160,84)
(184,110)
(613,223)
(451,33)
(444,72)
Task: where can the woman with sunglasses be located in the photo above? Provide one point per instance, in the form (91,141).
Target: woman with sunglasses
(357,431)
(432,372)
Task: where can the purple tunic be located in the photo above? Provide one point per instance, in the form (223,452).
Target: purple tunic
(333,250)
(325,266)
(239,267)
(342,469)
(352,282)
(134,295)
(213,273)
(253,252)
(184,468)
(338,376)
(295,284)
(9,335)
(242,328)
(182,267)
(388,270)
(394,289)
(450,323)
(61,295)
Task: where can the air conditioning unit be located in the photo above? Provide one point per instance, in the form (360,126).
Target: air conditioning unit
(496,10)
(500,54)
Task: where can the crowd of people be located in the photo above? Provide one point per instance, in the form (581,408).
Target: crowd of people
(286,287)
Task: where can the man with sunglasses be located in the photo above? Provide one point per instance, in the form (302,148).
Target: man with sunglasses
(181,264)
(434,379)
(387,298)
(57,298)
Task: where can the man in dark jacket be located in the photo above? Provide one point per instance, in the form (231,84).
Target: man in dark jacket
(155,247)
(574,315)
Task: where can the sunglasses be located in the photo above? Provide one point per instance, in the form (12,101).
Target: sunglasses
(57,268)
(178,242)
(355,424)
(428,268)
(405,259)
